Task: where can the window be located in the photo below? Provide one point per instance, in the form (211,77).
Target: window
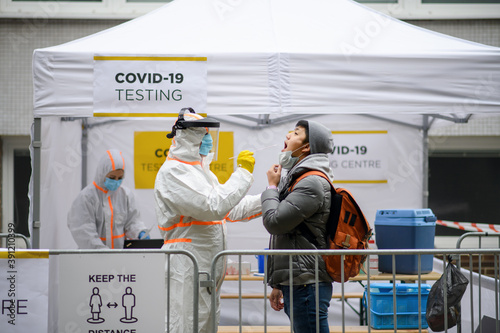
(464,183)
(437,9)
(16,173)
(80,9)
(65,0)
(464,188)
(22,174)
(461,1)
(126,9)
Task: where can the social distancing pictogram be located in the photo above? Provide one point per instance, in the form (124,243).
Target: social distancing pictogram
(111,293)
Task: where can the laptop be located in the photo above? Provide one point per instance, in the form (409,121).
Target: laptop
(143,243)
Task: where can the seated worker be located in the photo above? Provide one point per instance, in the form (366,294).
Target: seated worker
(104,213)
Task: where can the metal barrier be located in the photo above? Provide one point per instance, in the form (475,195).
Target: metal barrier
(369,279)
(168,253)
(393,277)
(480,236)
(10,237)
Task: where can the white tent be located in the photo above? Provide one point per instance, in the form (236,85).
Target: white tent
(282,56)
(262,62)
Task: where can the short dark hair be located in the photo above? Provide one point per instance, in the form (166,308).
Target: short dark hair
(305,125)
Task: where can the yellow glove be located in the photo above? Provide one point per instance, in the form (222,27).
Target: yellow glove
(246,160)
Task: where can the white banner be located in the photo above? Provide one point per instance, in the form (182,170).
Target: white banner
(24,286)
(112,293)
(148,86)
(360,156)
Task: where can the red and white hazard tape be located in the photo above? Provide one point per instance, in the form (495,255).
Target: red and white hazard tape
(469,226)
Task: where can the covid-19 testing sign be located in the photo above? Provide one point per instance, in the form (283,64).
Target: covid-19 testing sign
(151,149)
(360,156)
(148,86)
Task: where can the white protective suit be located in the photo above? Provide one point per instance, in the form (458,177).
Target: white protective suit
(100,219)
(192,210)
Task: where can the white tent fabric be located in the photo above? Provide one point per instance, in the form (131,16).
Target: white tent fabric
(286,56)
(61,170)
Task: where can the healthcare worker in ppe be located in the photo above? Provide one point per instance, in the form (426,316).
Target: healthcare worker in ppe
(192,210)
(104,213)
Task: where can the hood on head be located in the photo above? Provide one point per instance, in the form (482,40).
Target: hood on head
(186,143)
(320,138)
(111,160)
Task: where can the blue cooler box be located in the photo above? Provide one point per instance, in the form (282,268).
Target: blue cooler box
(407,309)
(405,229)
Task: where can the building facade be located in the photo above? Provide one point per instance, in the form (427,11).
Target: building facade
(25,27)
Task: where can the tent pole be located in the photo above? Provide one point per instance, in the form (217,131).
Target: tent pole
(84,143)
(266,122)
(37,146)
(425,160)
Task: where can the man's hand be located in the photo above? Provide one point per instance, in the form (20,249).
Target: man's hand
(274,175)
(276,299)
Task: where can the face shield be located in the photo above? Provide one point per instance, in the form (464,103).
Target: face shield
(189,119)
(214,133)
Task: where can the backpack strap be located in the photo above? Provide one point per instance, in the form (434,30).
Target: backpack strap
(309,173)
(303,227)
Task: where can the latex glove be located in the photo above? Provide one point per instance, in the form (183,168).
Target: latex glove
(141,235)
(246,160)
(206,144)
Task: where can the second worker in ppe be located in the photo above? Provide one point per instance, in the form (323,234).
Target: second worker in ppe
(192,210)
(105,213)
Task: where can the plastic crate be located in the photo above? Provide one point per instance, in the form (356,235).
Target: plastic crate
(382,309)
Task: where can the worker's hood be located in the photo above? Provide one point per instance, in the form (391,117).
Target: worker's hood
(186,144)
(111,160)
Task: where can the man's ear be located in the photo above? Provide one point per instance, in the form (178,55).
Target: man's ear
(306,149)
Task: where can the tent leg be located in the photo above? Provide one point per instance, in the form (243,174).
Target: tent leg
(36,143)
(425,160)
(85,135)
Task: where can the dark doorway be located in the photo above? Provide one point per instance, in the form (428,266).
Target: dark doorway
(464,189)
(22,174)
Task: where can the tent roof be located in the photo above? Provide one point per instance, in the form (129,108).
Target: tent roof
(286,56)
(262,26)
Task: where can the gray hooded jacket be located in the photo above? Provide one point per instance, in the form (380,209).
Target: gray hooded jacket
(285,213)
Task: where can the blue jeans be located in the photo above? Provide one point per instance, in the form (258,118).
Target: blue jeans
(304,306)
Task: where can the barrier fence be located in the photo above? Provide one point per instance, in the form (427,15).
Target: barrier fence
(111,264)
(480,235)
(93,291)
(418,277)
(10,240)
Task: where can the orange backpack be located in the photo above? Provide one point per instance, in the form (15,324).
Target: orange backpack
(346,228)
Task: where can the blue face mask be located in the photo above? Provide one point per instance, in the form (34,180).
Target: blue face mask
(112,184)
(206,144)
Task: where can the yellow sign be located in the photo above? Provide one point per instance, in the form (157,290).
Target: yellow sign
(151,150)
